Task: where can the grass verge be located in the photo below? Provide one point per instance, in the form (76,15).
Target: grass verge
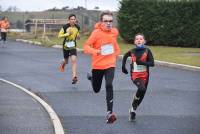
(188,56)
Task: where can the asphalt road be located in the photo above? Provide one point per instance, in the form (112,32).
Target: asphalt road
(171,104)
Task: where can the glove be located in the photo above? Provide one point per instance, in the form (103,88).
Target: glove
(124,70)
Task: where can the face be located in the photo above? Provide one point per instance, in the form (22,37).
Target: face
(72,20)
(107,21)
(139,40)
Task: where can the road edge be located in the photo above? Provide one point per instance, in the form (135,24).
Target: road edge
(157,62)
(58,128)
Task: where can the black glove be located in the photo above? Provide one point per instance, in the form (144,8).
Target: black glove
(124,70)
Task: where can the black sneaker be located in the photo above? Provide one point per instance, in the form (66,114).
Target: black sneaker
(132,115)
(74,80)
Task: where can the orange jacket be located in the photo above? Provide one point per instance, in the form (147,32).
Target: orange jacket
(4,25)
(98,38)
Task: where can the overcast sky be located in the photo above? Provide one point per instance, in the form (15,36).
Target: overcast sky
(40,5)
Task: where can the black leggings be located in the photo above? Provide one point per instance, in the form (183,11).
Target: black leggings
(142,88)
(97,77)
(3,36)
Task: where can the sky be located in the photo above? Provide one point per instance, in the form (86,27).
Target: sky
(40,5)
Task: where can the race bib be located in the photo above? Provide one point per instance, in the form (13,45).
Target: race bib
(107,49)
(70,44)
(139,68)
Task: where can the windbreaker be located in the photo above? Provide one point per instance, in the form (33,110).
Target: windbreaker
(98,38)
(4,25)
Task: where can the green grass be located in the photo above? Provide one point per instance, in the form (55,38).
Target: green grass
(188,56)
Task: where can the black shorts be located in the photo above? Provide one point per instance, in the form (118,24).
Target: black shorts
(70,52)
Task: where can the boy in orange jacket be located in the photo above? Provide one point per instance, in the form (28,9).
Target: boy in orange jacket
(102,45)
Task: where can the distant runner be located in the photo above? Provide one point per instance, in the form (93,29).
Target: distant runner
(70,32)
(4,26)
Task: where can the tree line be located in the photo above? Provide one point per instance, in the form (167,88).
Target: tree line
(170,23)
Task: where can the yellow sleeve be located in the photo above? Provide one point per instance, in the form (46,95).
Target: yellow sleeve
(61,34)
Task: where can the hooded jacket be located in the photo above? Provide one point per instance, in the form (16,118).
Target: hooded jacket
(4,25)
(98,38)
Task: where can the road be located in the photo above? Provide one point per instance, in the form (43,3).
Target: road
(171,104)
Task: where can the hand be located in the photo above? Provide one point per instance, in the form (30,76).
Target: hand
(124,70)
(78,37)
(98,51)
(70,32)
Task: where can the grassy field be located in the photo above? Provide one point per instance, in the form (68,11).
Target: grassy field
(188,56)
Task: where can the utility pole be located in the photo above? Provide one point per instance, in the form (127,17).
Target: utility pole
(85,4)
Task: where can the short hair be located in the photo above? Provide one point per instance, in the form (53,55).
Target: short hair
(71,15)
(105,13)
(140,34)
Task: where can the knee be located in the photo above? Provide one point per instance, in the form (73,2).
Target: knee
(109,87)
(142,89)
(73,61)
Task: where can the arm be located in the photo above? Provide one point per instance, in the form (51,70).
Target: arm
(117,49)
(126,55)
(88,45)
(8,25)
(61,34)
(78,36)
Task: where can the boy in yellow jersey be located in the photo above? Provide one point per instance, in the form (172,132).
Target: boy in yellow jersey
(70,32)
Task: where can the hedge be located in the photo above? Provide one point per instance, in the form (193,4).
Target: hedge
(168,23)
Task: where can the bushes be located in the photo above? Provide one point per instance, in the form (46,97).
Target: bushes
(171,23)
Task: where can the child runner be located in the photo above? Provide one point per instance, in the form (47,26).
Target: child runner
(141,60)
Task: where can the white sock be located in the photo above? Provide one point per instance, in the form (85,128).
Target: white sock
(132,110)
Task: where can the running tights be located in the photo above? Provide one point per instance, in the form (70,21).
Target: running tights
(142,87)
(97,77)
(3,36)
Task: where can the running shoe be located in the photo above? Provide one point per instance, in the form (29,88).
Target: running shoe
(132,115)
(111,118)
(62,66)
(74,80)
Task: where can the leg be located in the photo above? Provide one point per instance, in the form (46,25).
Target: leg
(97,77)
(66,55)
(74,66)
(5,37)
(140,92)
(2,35)
(73,55)
(65,60)
(109,76)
